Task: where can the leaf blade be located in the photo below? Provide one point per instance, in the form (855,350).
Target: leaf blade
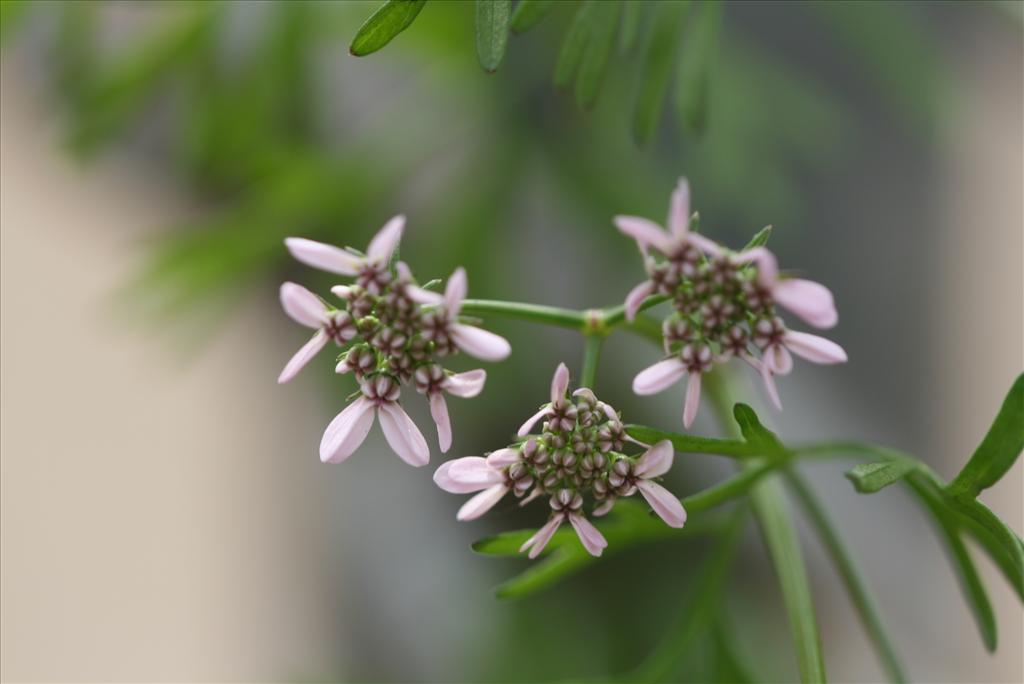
(659,54)
(869,478)
(492,27)
(528,13)
(598,51)
(575,41)
(694,75)
(390,19)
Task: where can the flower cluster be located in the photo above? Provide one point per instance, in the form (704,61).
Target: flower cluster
(393,333)
(725,306)
(578,454)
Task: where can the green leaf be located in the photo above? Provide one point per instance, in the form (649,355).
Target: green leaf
(528,13)
(659,55)
(862,601)
(760,238)
(393,17)
(757,435)
(868,478)
(492,25)
(695,66)
(995,537)
(630,26)
(974,590)
(575,41)
(692,444)
(780,537)
(604,18)
(999,449)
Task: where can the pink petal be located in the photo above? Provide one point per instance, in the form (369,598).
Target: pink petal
(559,383)
(423,296)
(592,539)
(813,348)
(658,377)
(481,503)
(538,541)
(604,508)
(303,356)
(769,386)
(809,300)
(341,291)
(467,475)
(347,431)
(303,306)
(664,502)
(480,343)
(646,233)
(528,425)
(767,264)
(679,210)
(636,298)
(384,243)
(656,461)
(325,257)
(692,399)
(465,385)
(402,435)
(455,291)
(778,360)
(439,412)
(705,244)
(502,457)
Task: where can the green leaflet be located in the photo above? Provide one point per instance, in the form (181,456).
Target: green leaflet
(604,18)
(692,444)
(659,55)
(868,478)
(695,66)
(388,21)
(630,26)
(999,449)
(492,26)
(760,238)
(528,13)
(757,435)
(575,42)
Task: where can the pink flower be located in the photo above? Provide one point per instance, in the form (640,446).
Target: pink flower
(677,243)
(777,341)
(566,505)
(306,308)
(655,462)
(469,474)
(349,428)
(559,408)
(370,270)
(443,326)
(811,301)
(692,361)
(433,381)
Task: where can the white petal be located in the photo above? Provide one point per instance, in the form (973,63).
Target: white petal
(692,399)
(658,377)
(769,386)
(455,291)
(385,242)
(592,539)
(778,360)
(480,343)
(439,412)
(656,461)
(303,356)
(647,233)
(559,383)
(664,502)
(538,541)
(502,458)
(636,298)
(303,306)
(347,431)
(528,425)
(809,300)
(402,435)
(466,475)
(814,348)
(465,385)
(341,291)
(481,503)
(679,210)
(325,257)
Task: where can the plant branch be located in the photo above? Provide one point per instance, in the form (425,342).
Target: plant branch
(591,356)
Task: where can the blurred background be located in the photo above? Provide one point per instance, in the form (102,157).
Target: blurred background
(164,513)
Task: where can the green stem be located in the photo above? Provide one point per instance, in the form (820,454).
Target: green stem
(780,536)
(552,315)
(855,586)
(591,356)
